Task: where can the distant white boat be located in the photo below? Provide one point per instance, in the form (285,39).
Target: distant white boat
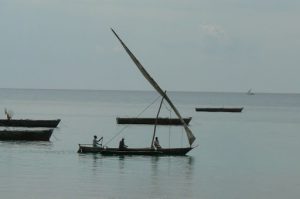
(250,92)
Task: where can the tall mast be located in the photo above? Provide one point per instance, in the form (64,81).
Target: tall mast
(156,120)
(190,136)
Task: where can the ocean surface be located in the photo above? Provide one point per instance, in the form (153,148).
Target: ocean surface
(249,155)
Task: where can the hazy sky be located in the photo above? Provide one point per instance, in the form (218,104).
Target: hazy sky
(186,45)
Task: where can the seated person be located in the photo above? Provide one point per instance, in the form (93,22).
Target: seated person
(156,143)
(122,145)
(96,142)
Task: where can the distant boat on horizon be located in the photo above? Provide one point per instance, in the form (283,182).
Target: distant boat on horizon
(221,109)
(250,92)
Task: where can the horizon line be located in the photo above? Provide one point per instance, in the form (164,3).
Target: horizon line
(128,90)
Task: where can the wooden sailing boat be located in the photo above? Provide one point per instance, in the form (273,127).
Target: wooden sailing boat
(151,150)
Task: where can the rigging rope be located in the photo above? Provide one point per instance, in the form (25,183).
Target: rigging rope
(167,107)
(125,127)
(148,106)
(182,132)
(170,111)
(116,135)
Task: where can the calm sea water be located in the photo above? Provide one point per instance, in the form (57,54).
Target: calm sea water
(253,154)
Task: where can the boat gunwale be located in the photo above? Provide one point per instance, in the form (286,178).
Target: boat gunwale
(88,148)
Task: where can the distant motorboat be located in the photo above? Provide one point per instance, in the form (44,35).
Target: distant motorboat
(158,121)
(26,135)
(233,109)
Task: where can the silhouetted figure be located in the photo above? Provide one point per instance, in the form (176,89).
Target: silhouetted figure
(156,143)
(8,115)
(122,145)
(96,143)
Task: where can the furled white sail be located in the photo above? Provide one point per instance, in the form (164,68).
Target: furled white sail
(189,133)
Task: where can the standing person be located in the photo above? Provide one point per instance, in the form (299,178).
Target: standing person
(156,143)
(122,145)
(8,115)
(96,142)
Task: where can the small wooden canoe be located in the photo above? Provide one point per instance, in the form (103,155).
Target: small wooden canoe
(28,135)
(233,110)
(29,123)
(84,148)
(160,121)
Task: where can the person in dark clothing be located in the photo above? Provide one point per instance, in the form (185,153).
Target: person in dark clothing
(122,145)
(96,143)
(156,143)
